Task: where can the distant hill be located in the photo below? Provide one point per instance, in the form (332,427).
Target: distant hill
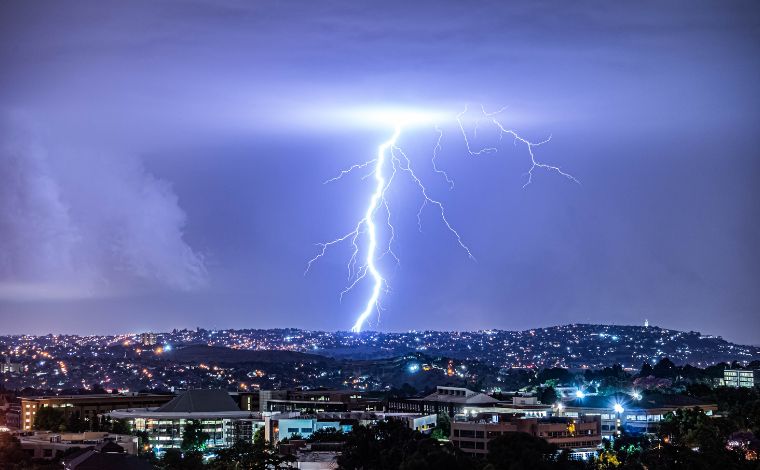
(575,346)
(221,355)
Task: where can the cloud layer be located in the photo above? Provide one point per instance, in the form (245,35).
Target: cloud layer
(86,225)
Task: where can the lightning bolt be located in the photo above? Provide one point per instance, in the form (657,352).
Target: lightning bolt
(390,160)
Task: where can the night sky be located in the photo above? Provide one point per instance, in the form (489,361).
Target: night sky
(161,163)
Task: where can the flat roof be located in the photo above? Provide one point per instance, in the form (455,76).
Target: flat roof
(154,414)
(96,396)
(654,401)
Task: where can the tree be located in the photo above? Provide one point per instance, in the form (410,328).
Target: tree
(692,428)
(119,426)
(259,437)
(548,396)
(443,427)
(75,423)
(49,419)
(391,445)
(518,450)
(327,435)
(293,437)
(430,453)
(96,423)
(243,455)
(379,447)
(12,456)
(665,369)
(646,370)
(607,459)
(673,457)
(175,459)
(194,437)
(557,375)
(143,442)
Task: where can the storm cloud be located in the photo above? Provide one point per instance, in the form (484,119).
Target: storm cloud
(86,224)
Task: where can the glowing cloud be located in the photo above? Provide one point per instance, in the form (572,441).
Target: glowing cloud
(391,159)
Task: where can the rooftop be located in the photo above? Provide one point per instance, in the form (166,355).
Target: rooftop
(653,401)
(459,395)
(200,401)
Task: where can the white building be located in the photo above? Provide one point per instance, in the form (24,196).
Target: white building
(279,426)
(741,378)
(214,409)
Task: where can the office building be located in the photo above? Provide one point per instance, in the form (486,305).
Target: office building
(87,406)
(148,339)
(217,412)
(580,436)
(279,426)
(316,401)
(448,400)
(8,367)
(636,416)
(741,378)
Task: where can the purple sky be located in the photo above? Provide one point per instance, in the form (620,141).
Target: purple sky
(161,163)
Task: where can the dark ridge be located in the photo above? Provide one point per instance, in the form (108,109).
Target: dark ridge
(221,355)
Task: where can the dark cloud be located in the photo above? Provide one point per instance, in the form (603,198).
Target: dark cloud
(86,225)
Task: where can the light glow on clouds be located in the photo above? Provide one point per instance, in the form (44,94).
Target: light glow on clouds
(343,118)
(78,224)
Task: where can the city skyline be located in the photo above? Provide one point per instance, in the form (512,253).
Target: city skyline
(162,167)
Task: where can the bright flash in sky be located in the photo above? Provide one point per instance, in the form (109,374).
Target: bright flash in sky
(382,170)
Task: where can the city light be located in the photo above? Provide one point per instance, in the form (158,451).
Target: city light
(580,394)
(618,408)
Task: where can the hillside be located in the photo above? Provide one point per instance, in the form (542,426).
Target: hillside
(221,355)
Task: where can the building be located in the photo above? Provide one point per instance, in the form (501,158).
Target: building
(449,400)
(527,407)
(312,455)
(148,339)
(87,406)
(279,426)
(8,367)
(317,401)
(580,436)
(106,455)
(741,378)
(316,460)
(218,413)
(636,416)
(47,445)
(13,416)
(247,401)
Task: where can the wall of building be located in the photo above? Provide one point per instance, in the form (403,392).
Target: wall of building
(87,406)
(474,436)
